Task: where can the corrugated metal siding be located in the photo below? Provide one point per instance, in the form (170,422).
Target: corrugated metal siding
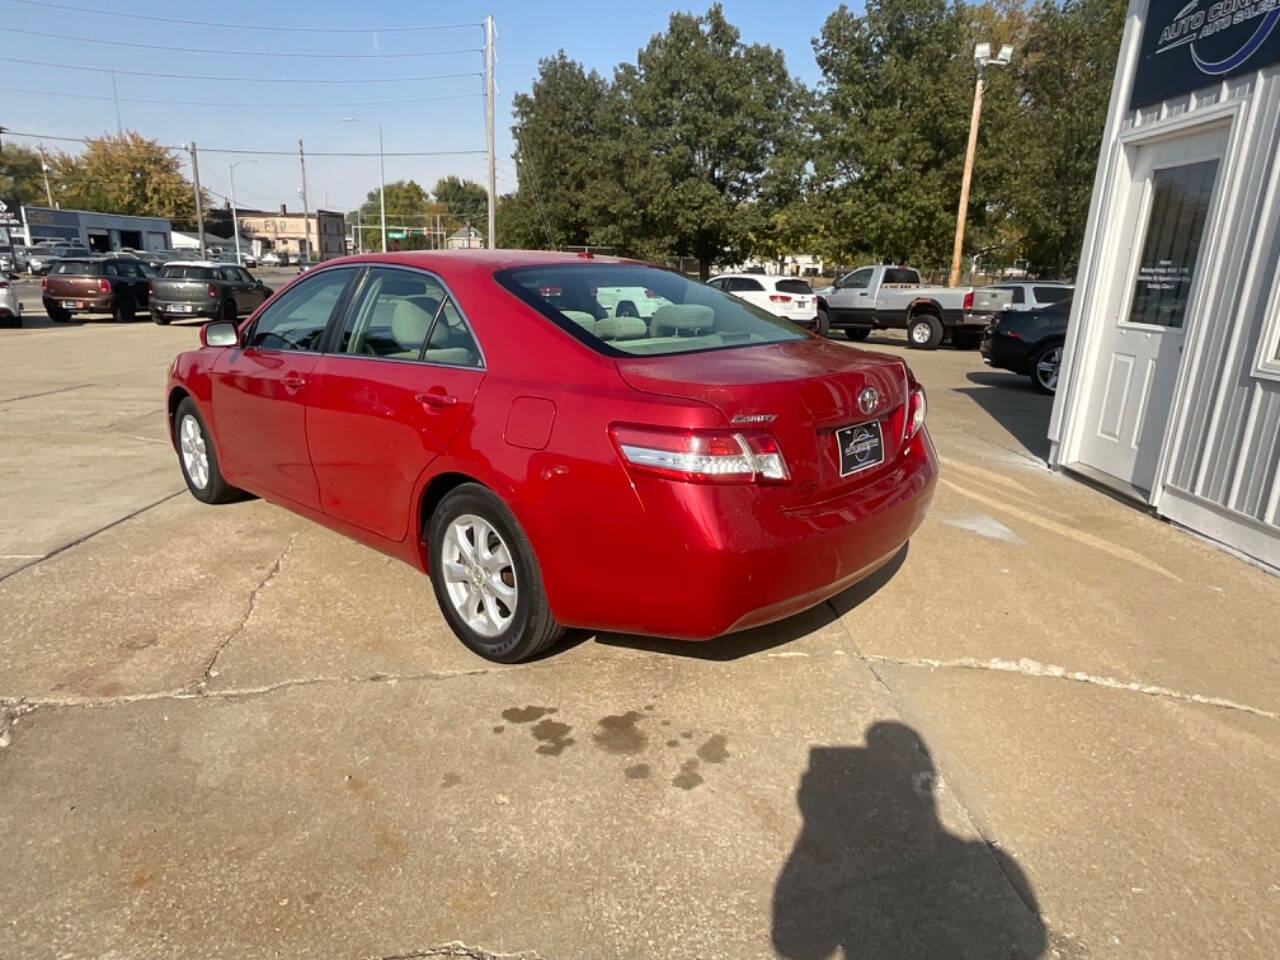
(1230,437)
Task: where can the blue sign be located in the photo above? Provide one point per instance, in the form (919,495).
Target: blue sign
(1186,46)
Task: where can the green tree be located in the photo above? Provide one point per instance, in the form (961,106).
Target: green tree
(1065,75)
(20,177)
(459,202)
(406,207)
(126,174)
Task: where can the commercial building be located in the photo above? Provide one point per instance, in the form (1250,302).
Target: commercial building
(321,232)
(97,231)
(1169,391)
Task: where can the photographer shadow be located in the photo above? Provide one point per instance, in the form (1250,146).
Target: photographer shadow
(875,874)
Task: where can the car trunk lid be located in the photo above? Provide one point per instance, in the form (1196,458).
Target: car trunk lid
(802,392)
(75,286)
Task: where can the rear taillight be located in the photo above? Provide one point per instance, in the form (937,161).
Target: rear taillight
(649,293)
(44,284)
(4,284)
(151,289)
(104,285)
(779,298)
(702,456)
(915,411)
(968,300)
(213,291)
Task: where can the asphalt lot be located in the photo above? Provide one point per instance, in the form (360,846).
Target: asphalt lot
(1052,728)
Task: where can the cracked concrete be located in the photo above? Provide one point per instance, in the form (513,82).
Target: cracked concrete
(229,725)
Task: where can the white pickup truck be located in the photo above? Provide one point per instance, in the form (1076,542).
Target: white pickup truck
(885,297)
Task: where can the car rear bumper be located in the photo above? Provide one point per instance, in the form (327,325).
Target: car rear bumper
(183,308)
(708,559)
(1004,352)
(103,304)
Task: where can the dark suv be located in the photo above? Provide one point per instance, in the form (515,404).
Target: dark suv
(112,285)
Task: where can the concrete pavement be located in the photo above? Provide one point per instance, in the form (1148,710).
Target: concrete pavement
(1051,728)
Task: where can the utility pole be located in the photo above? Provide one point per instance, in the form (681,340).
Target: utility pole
(44,169)
(488,128)
(235,217)
(115,95)
(359,230)
(195,175)
(306,215)
(981,59)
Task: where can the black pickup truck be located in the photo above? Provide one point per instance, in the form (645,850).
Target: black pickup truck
(203,288)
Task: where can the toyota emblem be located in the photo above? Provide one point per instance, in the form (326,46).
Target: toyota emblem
(867,399)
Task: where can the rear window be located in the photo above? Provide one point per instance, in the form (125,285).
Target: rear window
(794,286)
(624,309)
(78,268)
(180,272)
(899,275)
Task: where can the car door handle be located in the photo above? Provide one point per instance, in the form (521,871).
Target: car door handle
(292,381)
(436,398)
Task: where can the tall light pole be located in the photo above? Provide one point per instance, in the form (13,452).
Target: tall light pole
(488,127)
(382,174)
(981,59)
(235,217)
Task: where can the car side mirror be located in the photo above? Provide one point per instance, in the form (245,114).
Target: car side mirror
(219,335)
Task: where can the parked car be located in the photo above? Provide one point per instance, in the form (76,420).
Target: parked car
(6,263)
(45,255)
(550,463)
(1029,342)
(21,258)
(788,297)
(885,297)
(1034,294)
(202,288)
(110,285)
(271,259)
(10,305)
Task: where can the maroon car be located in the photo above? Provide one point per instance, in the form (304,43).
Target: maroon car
(116,286)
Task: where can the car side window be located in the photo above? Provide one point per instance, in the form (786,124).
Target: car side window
(750,285)
(450,340)
(244,275)
(1052,294)
(229,274)
(392,315)
(111,269)
(1019,295)
(297,320)
(859,279)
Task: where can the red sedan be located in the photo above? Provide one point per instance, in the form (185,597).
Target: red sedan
(562,440)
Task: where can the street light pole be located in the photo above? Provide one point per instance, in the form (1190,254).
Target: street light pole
(235,217)
(488,128)
(382,174)
(981,59)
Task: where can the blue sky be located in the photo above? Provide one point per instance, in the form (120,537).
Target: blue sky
(597,34)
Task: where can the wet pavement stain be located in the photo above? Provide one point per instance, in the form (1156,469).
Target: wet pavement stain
(554,736)
(688,777)
(666,723)
(687,734)
(639,772)
(499,728)
(673,743)
(619,734)
(714,750)
(526,714)
(450,780)
(650,707)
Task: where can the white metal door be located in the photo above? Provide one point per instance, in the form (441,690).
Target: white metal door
(1138,349)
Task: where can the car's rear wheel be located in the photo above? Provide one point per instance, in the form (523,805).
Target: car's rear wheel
(486,577)
(857,333)
(229,311)
(124,311)
(1045,366)
(158,316)
(823,326)
(57,314)
(198,458)
(924,332)
(965,339)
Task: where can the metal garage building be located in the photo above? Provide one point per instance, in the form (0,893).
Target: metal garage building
(97,231)
(1170,388)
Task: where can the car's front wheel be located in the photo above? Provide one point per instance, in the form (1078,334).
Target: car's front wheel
(198,458)
(1044,368)
(486,577)
(823,326)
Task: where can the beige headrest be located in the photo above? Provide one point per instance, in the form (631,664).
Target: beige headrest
(680,317)
(409,323)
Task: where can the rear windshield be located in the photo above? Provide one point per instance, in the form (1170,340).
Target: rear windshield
(900,275)
(624,309)
(794,286)
(79,268)
(179,272)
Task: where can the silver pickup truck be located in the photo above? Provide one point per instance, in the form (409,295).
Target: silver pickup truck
(884,297)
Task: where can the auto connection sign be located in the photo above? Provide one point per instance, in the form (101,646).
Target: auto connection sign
(1186,46)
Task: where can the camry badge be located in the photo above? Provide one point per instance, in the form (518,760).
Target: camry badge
(754,418)
(867,399)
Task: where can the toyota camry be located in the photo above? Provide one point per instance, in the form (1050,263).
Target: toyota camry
(562,440)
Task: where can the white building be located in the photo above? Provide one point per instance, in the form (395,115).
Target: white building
(1170,386)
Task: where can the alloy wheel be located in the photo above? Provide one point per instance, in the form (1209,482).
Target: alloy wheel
(195,452)
(1047,368)
(479,575)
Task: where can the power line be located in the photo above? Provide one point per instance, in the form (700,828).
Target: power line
(248,53)
(245,26)
(271,104)
(266,153)
(192,76)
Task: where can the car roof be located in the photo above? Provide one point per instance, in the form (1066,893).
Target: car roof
(198,263)
(479,261)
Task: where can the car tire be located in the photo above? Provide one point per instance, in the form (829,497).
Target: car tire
(857,333)
(197,457)
(965,339)
(124,311)
(823,327)
(57,314)
(228,312)
(158,316)
(924,332)
(1044,368)
(474,595)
